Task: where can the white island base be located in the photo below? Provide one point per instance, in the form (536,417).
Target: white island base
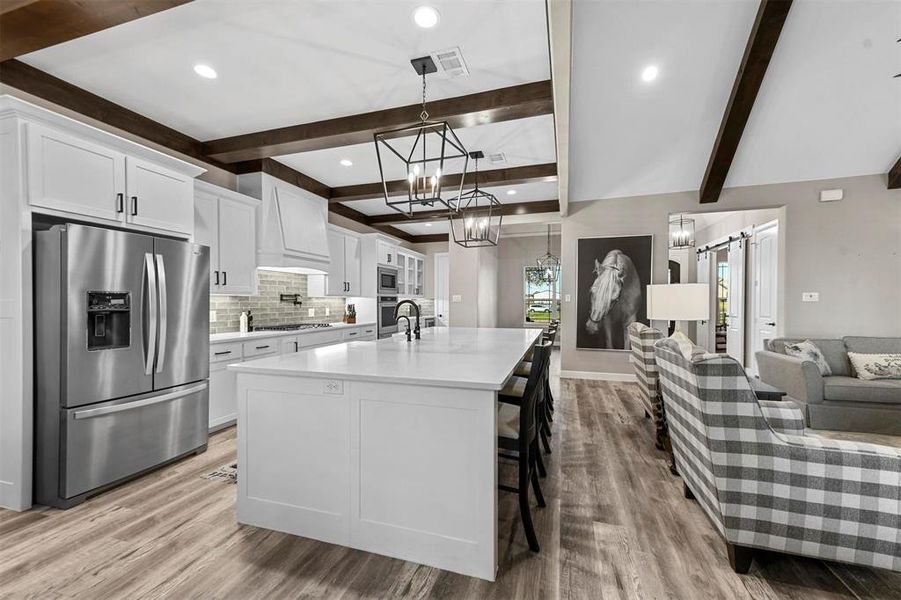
(379,446)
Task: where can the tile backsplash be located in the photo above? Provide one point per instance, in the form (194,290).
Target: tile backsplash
(267,309)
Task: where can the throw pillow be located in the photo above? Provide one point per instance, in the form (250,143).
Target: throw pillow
(807,350)
(876,366)
(686,346)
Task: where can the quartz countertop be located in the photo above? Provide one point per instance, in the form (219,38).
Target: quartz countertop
(234,336)
(460,357)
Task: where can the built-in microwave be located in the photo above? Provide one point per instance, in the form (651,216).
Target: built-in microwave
(387,281)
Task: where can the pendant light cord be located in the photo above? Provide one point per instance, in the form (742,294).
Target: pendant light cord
(424,115)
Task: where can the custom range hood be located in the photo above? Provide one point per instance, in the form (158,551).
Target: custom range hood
(291,225)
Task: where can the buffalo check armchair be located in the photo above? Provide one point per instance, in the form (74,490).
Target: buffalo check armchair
(642,339)
(763,482)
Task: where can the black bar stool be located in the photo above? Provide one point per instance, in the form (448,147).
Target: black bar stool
(518,431)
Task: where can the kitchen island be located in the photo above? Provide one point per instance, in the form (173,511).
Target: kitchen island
(387,446)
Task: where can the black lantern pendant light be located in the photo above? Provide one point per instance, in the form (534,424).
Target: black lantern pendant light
(681,232)
(416,158)
(549,263)
(477,221)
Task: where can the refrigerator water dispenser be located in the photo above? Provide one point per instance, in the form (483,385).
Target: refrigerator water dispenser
(108,320)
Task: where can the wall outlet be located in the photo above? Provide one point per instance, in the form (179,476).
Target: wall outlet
(810,296)
(567,298)
(212,316)
(333,386)
(456,298)
(311,312)
(326,311)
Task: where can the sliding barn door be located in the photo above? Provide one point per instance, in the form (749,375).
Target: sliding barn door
(735,317)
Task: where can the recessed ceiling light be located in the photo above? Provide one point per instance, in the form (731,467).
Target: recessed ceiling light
(649,73)
(428,224)
(426,17)
(205,71)
(346,162)
(511,192)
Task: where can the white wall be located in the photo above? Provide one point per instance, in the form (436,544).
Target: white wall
(473,277)
(848,251)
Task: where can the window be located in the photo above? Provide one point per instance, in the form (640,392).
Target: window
(541,297)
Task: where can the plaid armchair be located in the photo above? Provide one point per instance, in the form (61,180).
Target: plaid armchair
(642,340)
(763,482)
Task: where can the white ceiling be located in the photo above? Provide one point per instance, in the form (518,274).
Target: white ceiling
(526,192)
(282,63)
(524,142)
(828,106)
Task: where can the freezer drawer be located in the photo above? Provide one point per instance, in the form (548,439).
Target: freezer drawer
(113,440)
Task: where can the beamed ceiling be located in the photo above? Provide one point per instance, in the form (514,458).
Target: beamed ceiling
(748,92)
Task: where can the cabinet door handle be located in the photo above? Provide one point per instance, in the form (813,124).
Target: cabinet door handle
(120,202)
(134,205)
(224,352)
(217,277)
(352,333)
(295,346)
(224,278)
(262,347)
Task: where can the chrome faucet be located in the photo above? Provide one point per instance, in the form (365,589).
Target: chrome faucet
(415,308)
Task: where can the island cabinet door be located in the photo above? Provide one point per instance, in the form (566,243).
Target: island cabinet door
(293,452)
(423,475)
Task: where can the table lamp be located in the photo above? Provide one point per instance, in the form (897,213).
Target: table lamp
(679,302)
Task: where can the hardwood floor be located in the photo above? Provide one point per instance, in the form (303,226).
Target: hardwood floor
(616,526)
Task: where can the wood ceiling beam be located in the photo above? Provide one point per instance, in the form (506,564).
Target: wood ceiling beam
(355,215)
(27,26)
(761,44)
(494,106)
(520,208)
(507,176)
(285,173)
(62,93)
(432,237)
(894,176)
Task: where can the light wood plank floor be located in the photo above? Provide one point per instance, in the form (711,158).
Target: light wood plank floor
(616,526)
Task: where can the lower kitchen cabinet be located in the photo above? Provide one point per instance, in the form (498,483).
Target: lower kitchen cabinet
(223,396)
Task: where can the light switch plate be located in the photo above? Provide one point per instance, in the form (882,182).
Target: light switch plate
(456,298)
(212,316)
(311,312)
(567,298)
(326,311)
(333,386)
(810,296)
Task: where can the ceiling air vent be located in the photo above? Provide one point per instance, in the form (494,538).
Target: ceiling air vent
(497,158)
(450,62)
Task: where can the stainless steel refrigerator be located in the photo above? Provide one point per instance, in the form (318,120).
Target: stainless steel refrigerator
(121,357)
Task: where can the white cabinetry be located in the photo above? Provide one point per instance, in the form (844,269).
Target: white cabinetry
(343,278)
(410,273)
(72,174)
(226,222)
(223,400)
(387,253)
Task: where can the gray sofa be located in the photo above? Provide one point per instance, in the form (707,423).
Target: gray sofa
(842,401)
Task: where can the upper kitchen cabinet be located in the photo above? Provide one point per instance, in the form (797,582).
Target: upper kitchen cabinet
(410,273)
(68,173)
(291,225)
(387,253)
(73,170)
(343,278)
(159,197)
(226,222)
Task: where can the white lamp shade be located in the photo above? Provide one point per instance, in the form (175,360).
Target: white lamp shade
(679,302)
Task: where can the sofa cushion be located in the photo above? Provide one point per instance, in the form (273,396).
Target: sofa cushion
(872,345)
(807,350)
(851,389)
(833,351)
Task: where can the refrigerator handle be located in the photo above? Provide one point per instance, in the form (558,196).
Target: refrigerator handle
(150,345)
(164,303)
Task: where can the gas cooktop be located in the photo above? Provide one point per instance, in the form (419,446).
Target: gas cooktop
(291,326)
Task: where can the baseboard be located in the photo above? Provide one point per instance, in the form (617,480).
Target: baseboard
(628,377)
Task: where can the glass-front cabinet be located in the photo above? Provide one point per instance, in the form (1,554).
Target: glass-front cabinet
(410,280)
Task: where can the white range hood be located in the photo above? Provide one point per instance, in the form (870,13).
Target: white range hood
(291,225)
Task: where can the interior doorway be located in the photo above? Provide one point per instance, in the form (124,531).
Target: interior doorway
(738,253)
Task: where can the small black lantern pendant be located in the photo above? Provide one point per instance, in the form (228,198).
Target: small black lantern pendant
(477,221)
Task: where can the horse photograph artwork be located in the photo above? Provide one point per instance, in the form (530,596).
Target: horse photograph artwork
(612,274)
